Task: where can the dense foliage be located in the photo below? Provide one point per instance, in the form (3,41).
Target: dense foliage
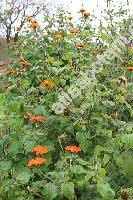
(83,150)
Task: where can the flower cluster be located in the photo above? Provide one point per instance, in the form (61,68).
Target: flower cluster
(85,14)
(24,63)
(80,45)
(47,84)
(37,119)
(57,36)
(36,162)
(8,72)
(39,150)
(82,10)
(73,149)
(129,68)
(34,25)
(6,86)
(74,31)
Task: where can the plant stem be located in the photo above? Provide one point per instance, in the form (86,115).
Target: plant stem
(45,176)
(30,190)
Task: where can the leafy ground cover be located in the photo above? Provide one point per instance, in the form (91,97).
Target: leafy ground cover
(64,134)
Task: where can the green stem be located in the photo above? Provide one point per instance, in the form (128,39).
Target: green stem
(60,145)
(30,190)
(43,175)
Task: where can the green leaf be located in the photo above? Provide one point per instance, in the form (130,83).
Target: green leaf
(38,185)
(54,80)
(57,63)
(106,158)
(68,190)
(78,169)
(84,140)
(28,145)
(24,176)
(69,37)
(14,148)
(102,172)
(39,110)
(15,123)
(50,191)
(82,162)
(104,37)
(105,191)
(89,175)
(51,59)
(5,166)
(68,56)
(97,150)
(26,83)
(127,139)
(31,90)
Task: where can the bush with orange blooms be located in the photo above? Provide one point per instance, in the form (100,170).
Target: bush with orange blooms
(65,117)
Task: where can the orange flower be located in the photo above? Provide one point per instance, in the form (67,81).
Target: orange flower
(47,84)
(73,149)
(123,80)
(6,86)
(129,69)
(80,45)
(87,14)
(36,162)
(8,72)
(74,31)
(57,36)
(24,63)
(70,18)
(1,67)
(40,150)
(37,119)
(34,25)
(82,10)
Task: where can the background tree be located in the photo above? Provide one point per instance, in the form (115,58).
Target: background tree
(13,12)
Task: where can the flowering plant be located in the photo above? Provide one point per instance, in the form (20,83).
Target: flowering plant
(66,111)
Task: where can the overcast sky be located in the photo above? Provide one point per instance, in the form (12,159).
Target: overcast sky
(93,6)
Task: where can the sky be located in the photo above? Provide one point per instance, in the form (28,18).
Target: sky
(93,6)
(90,5)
